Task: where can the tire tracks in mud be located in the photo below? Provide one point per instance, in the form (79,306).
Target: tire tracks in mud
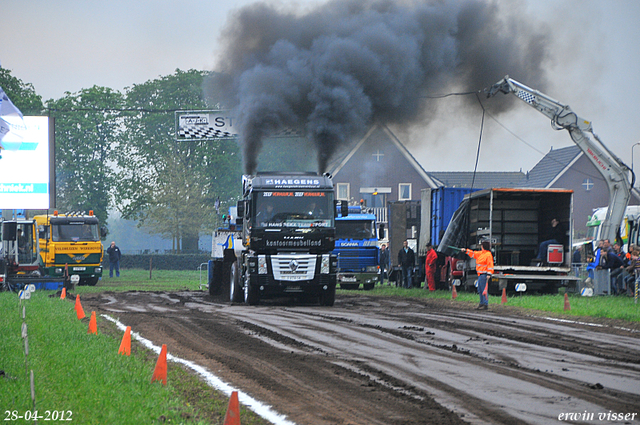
(326,365)
(483,327)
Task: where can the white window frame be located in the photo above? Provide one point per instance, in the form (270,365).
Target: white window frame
(339,187)
(400,185)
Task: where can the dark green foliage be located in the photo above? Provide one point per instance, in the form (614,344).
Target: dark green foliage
(87,135)
(23,95)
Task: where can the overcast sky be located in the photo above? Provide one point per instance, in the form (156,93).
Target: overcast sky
(68,45)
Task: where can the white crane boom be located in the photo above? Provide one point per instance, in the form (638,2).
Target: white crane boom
(613,170)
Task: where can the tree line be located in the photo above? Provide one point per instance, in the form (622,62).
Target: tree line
(117,150)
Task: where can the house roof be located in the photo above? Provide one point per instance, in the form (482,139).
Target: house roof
(482,180)
(553,165)
(396,142)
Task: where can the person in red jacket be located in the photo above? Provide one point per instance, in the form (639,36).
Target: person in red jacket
(484,268)
(430,268)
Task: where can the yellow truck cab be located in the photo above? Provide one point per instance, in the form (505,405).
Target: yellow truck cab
(71,240)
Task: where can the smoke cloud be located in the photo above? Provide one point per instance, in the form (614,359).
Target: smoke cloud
(337,68)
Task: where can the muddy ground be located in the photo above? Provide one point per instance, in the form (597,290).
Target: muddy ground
(371,360)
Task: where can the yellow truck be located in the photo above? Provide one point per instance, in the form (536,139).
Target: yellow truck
(71,241)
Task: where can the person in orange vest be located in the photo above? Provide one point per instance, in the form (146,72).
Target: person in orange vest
(484,268)
(430,268)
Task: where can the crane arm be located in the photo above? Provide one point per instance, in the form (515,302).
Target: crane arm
(613,170)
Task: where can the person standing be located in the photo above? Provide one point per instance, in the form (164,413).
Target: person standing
(114,259)
(406,260)
(484,268)
(430,268)
(383,262)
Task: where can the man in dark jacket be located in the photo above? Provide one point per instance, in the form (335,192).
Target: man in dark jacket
(616,267)
(384,262)
(114,259)
(406,260)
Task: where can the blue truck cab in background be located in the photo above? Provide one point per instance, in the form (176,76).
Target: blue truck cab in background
(357,249)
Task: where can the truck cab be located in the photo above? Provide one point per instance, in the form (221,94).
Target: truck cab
(281,242)
(357,249)
(71,241)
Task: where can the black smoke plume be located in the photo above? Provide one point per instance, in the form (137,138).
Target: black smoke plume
(341,66)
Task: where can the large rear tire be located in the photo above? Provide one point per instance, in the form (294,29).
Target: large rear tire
(236,293)
(217,279)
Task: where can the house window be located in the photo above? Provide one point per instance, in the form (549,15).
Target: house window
(343,191)
(588,184)
(404,192)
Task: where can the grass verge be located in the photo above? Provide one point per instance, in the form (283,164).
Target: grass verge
(82,376)
(611,307)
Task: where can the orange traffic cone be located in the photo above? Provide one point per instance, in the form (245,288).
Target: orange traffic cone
(567,306)
(454,292)
(233,411)
(78,308)
(125,345)
(63,295)
(93,326)
(160,372)
(504,295)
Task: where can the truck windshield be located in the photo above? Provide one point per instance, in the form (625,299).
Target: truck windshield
(75,232)
(355,229)
(293,209)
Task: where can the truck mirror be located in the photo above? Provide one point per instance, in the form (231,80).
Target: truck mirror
(9,230)
(381,231)
(42,232)
(104,232)
(240,206)
(344,208)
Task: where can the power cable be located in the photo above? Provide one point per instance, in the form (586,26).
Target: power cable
(475,168)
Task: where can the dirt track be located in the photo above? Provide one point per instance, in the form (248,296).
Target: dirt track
(371,360)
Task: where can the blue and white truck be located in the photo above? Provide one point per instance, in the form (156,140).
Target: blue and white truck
(357,249)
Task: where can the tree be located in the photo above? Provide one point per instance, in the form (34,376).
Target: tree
(22,94)
(87,129)
(167,185)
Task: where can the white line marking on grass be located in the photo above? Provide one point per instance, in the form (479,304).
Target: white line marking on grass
(260,409)
(596,325)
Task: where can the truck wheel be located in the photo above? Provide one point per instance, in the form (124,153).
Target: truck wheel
(91,281)
(217,279)
(251,295)
(368,286)
(235,293)
(328,297)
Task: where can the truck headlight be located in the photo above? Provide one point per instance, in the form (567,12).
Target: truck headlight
(324,265)
(372,269)
(58,270)
(262,264)
(98,270)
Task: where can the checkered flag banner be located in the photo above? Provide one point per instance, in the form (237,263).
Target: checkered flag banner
(526,96)
(204,125)
(215,124)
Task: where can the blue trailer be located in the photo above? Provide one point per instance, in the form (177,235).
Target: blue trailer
(444,202)
(357,249)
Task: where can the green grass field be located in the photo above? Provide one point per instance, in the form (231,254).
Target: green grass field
(82,376)
(612,307)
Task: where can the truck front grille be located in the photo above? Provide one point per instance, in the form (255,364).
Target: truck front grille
(293,267)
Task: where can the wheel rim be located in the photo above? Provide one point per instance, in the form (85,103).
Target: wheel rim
(232,282)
